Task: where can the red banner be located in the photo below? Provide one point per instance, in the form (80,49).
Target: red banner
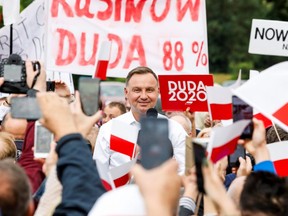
(181,91)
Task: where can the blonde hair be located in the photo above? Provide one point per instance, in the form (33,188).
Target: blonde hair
(8,147)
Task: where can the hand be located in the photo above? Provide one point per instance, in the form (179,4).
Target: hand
(245,167)
(40,84)
(257,146)
(160,187)
(220,168)
(62,89)
(56,114)
(84,123)
(51,159)
(1,81)
(216,191)
(189,182)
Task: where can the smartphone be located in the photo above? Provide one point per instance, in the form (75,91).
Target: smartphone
(50,85)
(233,158)
(25,108)
(154,142)
(89,90)
(42,140)
(199,151)
(242,110)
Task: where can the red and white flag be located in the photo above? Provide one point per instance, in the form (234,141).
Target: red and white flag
(123,138)
(256,114)
(105,176)
(268,93)
(223,140)
(238,81)
(219,102)
(120,174)
(279,155)
(103,60)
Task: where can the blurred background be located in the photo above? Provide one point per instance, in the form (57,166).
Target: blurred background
(229,25)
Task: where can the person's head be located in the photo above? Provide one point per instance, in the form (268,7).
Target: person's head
(264,194)
(16,127)
(141,90)
(7,146)
(183,121)
(15,191)
(112,110)
(271,135)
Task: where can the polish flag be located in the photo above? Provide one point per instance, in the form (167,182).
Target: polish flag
(219,102)
(256,114)
(120,174)
(223,140)
(105,176)
(103,60)
(238,81)
(123,138)
(268,93)
(279,155)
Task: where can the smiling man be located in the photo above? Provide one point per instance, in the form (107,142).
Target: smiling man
(141,91)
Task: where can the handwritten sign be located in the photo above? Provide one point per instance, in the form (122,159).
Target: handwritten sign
(269,37)
(28,33)
(181,91)
(168,36)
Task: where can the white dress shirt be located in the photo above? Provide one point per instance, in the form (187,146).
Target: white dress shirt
(105,155)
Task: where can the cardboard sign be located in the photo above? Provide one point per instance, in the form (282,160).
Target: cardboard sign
(269,37)
(181,91)
(168,36)
(28,33)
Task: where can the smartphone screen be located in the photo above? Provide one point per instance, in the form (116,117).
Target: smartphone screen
(42,140)
(155,145)
(25,108)
(199,151)
(89,90)
(233,158)
(242,110)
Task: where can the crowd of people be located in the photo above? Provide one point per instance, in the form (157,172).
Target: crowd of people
(68,182)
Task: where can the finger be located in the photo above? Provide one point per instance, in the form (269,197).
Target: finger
(97,116)
(137,171)
(1,81)
(77,101)
(248,164)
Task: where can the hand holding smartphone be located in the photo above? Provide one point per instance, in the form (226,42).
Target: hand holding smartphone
(155,145)
(89,90)
(42,140)
(242,110)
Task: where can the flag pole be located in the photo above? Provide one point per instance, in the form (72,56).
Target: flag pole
(276,131)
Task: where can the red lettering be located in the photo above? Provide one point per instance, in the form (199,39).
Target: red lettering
(163,15)
(83,11)
(65,34)
(118,40)
(106,14)
(65,5)
(132,11)
(136,44)
(118,10)
(92,59)
(194,9)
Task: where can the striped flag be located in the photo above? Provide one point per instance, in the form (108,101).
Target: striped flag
(123,138)
(223,140)
(268,93)
(103,60)
(105,176)
(279,155)
(219,102)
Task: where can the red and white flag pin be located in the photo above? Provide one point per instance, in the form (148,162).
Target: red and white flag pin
(103,60)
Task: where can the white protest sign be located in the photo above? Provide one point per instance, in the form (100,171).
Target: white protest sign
(168,36)
(269,37)
(28,33)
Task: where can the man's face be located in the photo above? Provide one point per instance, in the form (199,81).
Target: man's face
(110,113)
(142,93)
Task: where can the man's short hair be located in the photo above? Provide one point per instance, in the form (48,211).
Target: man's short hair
(140,70)
(264,192)
(272,136)
(119,105)
(15,191)
(8,147)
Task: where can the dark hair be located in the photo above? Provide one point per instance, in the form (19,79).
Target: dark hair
(15,191)
(266,193)
(140,70)
(271,135)
(119,105)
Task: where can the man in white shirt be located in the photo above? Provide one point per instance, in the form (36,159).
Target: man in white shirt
(141,91)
